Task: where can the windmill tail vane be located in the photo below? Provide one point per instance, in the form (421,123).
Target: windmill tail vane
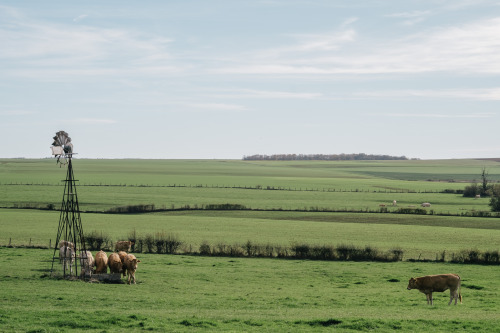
(62,147)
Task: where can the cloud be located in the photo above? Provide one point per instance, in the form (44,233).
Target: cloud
(413,17)
(460,49)
(94,121)
(47,49)
(436,115)
(52,51)
(481,94)
(263,94)
(17,112)
(80,17)
(349,21)
(216,106)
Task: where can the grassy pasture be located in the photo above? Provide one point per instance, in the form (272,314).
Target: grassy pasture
(101,198)
(360,185)
(419,236)
(335,174)
(190,293)
(186,293)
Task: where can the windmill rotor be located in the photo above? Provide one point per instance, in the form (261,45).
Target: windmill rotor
(62,147)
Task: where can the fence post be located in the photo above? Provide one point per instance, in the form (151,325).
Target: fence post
(50,243)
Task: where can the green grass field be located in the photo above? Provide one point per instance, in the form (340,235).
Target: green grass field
(191,293)
(421,237)
(361,185)
(186,293)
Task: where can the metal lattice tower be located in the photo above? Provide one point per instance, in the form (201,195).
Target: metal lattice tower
(70,225)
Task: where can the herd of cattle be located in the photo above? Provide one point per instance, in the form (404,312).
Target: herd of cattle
(118,262)
(121,262)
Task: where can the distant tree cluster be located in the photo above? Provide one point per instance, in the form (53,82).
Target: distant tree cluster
(322,157)
(485,189)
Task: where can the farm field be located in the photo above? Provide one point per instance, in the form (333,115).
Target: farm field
(422,237)
(318,203)
(188,293)
(344,185)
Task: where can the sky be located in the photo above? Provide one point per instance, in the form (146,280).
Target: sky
(223,79)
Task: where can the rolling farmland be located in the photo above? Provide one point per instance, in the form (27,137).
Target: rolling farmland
(288,202)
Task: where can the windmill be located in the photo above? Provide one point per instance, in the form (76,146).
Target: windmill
(70,223)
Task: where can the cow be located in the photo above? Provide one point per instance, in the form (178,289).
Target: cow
(66,243)
(131,263)
(123,255)
(426,204)
(87,263)
(67,258)
(123,246)
(114,263)
(437,283)
(101,262)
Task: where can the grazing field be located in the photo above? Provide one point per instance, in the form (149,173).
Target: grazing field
(189,293)
(318,203)
(423,237)
(344,185)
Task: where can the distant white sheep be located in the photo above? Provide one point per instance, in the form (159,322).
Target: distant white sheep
(426,204)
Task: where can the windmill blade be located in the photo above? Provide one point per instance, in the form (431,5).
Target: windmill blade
(61,139)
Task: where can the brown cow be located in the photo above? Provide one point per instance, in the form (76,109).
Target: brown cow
(123,255)
(131,263)
(114,263)
(439,283)
(123,246)
(101,262)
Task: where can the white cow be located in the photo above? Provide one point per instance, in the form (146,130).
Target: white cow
(86,263)
(67,257)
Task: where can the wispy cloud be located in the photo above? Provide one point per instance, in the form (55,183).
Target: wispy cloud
(442,115)
(467,48)
(40,48)
(266,94)
(411,18)
(480,94)
(80,17)
(17,113)
(94,121)
(216,106)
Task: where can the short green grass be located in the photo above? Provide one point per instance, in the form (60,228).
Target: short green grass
(359,185)
(422,237)
(189,293)
(104,198)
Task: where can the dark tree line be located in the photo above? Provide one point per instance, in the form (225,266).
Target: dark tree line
(321,157)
